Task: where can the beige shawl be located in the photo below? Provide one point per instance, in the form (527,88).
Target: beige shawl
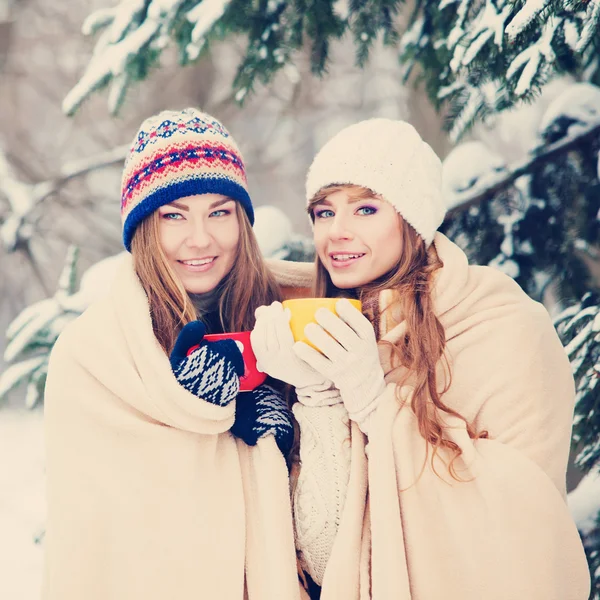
(149,495)
(504,533)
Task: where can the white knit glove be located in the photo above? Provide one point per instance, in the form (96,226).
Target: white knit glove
(348,357)
(273,342)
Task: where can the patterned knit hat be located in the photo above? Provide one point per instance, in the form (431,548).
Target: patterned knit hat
(177,154)
(390,158)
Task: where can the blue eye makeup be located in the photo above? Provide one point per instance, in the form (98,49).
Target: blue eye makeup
(366,210)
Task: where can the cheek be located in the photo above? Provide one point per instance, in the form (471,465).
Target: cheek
(389,244)
(320,239)
(167,239)
(230,237)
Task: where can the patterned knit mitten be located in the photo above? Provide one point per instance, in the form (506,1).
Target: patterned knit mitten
(261,412)
(211,372)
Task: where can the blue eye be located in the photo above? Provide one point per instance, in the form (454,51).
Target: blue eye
(324,214)
(172,216)
(366,210)
(220,213)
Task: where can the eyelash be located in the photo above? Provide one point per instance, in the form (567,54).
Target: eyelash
(222,210)
(168,216)
(319,214)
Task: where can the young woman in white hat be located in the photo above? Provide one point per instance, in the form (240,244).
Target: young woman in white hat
(434,427)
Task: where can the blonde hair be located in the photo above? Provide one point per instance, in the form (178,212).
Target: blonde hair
(248,285)
(424,343)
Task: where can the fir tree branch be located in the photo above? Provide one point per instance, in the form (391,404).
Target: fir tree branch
(526,167)
(23,198)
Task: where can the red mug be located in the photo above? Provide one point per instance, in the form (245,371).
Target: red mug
(252,377)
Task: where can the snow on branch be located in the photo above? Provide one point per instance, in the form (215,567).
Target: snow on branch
(24,198)
(523,18)
(535,58)
(525,167)
(132,31)
(592,15)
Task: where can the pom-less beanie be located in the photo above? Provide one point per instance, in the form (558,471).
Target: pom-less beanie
(177,154)
(389,158)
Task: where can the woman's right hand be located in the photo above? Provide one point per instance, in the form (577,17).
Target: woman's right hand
(212,371)
(272,341)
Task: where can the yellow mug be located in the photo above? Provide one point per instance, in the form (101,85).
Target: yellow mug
(303,312)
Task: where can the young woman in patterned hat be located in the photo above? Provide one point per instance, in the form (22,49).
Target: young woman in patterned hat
(163,480)
(435,428)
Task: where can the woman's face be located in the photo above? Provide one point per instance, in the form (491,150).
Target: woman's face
(199,236)
(357,240)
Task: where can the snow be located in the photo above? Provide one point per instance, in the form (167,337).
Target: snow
(98,19)
(20,198)
(584,502)
(412,35)
(578,106)
(39,315)
(15,373)
(342,8)
(458,32)
(470,168)
(488,23)
(520,21)
(571,35)
(127,34)
(273,229)
(22,503)
(592,15)
(126,13)
(205,15)
(506,265)
(531,57)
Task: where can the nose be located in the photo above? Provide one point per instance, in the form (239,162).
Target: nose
(339,228)
(197,236)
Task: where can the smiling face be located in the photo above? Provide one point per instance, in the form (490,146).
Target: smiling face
(199,236)
(358,237)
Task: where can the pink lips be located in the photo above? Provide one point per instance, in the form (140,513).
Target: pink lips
(344,259)
(201,265)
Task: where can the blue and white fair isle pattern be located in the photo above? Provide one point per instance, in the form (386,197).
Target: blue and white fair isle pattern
(262,412)
(210,375)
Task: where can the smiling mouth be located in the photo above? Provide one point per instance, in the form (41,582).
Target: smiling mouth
(197,262)
(344,259)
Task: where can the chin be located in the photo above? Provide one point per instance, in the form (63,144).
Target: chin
(199,287)
(346,283)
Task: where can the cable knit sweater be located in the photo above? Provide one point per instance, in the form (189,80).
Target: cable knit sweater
(409,533)
(149,495)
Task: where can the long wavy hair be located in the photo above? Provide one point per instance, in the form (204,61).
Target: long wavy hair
(248,285)
(423,346)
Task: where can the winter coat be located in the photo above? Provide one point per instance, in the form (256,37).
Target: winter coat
(149,495)
(504,532)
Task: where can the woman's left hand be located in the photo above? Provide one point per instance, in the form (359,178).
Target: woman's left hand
(348,356)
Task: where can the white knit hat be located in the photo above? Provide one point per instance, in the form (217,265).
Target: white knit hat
(390,158)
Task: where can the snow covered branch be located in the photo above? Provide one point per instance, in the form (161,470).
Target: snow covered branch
(23,198)
(135,33)
(525,167)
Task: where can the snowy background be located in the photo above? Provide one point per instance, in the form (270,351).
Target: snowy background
(60,176)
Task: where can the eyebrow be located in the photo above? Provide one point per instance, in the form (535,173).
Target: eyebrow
(180,206)
(350,201)
(213,204)
(221,202)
